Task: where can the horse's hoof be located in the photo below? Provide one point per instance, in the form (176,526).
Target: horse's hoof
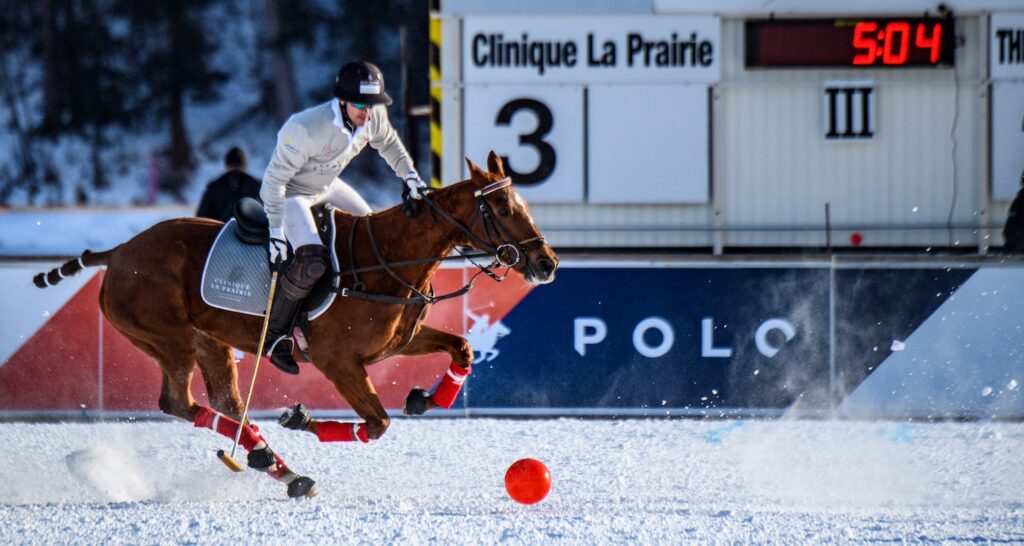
(416,402)
(296,418)
(302,487)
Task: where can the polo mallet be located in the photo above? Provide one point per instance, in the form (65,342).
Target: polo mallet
(229,460)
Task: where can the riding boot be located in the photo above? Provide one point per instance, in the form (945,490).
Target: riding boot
(309,265)
(279,343)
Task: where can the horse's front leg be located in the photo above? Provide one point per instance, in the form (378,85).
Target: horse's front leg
(352,382)
(430,340)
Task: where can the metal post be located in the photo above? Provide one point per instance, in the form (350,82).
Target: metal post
(411,136)
(832,333)
(828,228)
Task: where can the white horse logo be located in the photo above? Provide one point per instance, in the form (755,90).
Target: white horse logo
(484,335)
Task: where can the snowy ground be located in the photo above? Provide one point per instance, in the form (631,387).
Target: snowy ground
(440,481)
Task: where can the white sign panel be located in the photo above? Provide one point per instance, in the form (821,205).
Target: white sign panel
(654,151)
(591,49)
(1006,46)
(1007,138)
(537,130)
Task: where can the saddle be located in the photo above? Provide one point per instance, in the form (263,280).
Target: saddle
(251,224)
(236,276)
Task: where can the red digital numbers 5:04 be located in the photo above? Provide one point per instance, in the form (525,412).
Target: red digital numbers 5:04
(891,44)
(852,42)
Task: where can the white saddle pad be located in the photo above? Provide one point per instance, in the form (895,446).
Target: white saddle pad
(236,276)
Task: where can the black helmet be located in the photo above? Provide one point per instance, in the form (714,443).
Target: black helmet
(360,81)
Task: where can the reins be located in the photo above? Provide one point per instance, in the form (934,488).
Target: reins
(419,261)
(491,227)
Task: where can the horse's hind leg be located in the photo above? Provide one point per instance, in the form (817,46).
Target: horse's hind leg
(177,363)
(220,374)
(167,335)
(430,340)
(176,369)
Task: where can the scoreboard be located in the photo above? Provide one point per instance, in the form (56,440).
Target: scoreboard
(667,124)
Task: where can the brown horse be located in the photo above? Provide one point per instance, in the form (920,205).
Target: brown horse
(151,294)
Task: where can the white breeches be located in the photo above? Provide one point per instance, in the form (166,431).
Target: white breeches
(298,223)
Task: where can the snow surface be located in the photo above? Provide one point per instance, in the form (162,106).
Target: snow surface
(67,232)
(440,481)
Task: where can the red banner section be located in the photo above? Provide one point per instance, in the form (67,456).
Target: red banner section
(78,362)
(58,367)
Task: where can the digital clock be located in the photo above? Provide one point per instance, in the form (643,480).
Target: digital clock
(875,42)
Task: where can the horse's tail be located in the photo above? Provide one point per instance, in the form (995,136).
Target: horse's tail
(72,267)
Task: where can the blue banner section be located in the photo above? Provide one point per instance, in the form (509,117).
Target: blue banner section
(951,344)
(649,338)
(877,307)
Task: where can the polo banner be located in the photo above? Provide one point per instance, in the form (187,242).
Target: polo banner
(664,339)
(610,338)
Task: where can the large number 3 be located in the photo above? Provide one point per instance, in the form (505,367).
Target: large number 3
(536,139)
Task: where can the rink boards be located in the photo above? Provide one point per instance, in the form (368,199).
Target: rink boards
(863,339)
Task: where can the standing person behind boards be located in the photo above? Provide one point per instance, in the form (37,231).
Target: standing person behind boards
(1013,231)
(313,147)
(219,199)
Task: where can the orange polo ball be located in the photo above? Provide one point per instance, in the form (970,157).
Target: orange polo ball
(528,481)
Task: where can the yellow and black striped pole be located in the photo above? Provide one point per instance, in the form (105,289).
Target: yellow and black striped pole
(435,93)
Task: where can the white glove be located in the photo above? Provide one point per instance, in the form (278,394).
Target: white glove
(415,185)
(278,246)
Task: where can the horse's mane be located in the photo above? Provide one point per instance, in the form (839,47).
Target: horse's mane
(398,208)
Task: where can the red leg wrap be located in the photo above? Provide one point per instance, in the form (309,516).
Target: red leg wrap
(451,384)
(333,431)
(281,468)
(218,422)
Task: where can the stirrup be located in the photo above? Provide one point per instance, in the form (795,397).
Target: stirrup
(281,356)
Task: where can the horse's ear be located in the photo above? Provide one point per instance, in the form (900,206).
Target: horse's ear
(495,164)
(475,172)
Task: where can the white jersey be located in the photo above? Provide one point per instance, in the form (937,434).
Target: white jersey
(314,146)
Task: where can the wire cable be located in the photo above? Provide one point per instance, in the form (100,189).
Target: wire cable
(953,140)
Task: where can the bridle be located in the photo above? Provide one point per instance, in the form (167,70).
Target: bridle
(492,228)
(499,240)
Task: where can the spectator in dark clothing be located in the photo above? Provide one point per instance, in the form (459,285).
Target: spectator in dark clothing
(220,196)
(1013,231)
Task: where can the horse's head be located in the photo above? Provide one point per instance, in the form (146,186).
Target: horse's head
(507,226)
